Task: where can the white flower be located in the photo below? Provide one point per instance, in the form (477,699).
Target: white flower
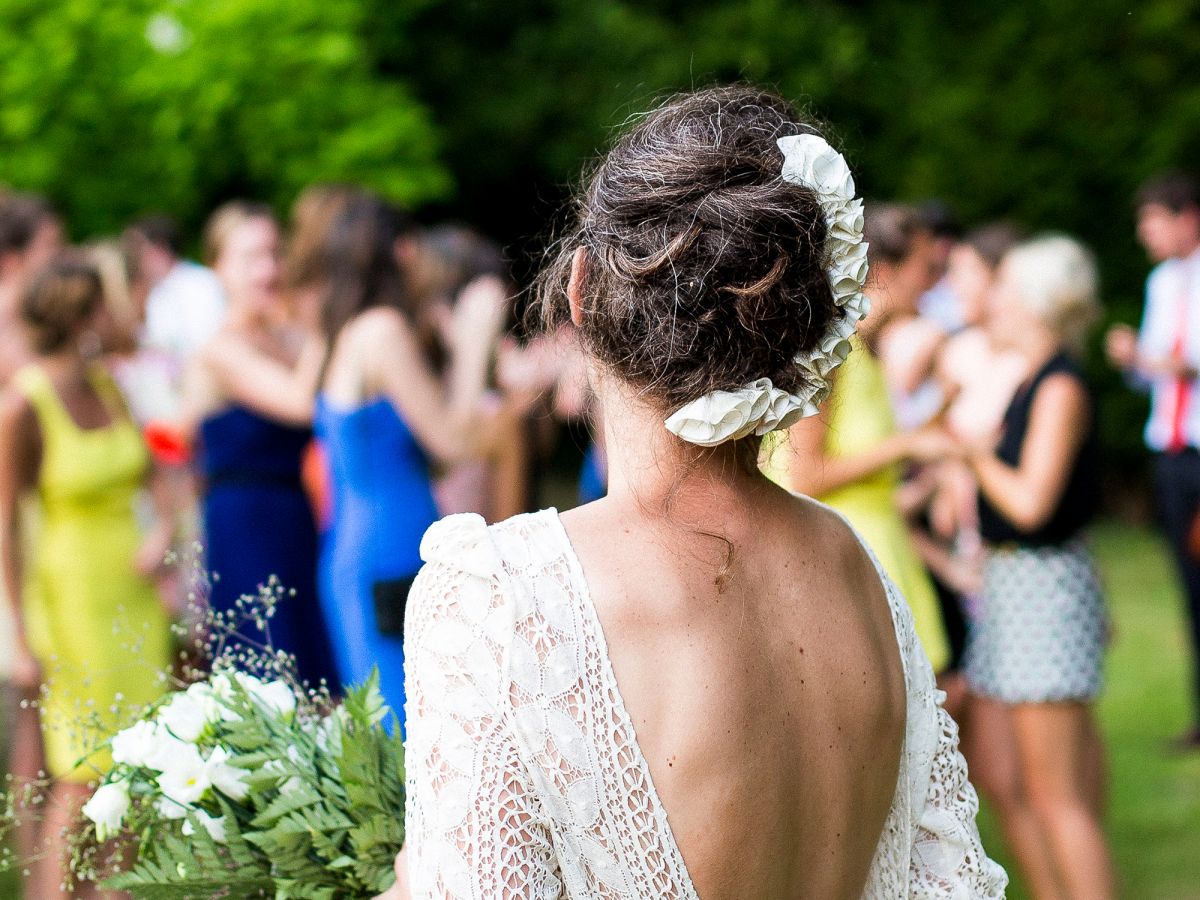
(185,779)
(329,733)
(377,708)
(232,781)
(214,825)
(808,159)
(184,717)
(169,809)
(142,745)
(275,696)
(107,808)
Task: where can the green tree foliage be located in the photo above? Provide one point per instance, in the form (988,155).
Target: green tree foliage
(1048,114)
(116,106)
(1045,113)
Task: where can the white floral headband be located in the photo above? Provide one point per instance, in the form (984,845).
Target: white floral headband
(760,407)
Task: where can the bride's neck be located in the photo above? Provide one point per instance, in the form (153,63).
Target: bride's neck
(653,470)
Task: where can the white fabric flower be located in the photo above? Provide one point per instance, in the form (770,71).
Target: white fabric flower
(759,407)
(107,808)
(808,159)
(847,223)
(184,717)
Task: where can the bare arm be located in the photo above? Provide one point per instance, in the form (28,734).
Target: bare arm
(813,471)
(1028,493)
(245,375)
(20,458)
(447,420)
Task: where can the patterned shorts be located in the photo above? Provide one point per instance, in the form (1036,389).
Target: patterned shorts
(1042,629)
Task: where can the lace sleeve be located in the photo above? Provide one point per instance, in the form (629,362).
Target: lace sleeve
(474,824)
(948,859)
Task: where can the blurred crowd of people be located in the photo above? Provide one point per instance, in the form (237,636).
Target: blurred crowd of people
(306,401)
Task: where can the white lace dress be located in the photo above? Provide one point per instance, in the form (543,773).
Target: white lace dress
(525,778)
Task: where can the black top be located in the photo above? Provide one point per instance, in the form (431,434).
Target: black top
(1079,501)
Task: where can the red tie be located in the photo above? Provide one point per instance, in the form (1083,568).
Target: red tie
(1183,387)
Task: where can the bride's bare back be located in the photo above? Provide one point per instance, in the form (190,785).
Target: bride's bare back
(771,713)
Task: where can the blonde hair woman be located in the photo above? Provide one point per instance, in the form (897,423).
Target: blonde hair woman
(1038,646)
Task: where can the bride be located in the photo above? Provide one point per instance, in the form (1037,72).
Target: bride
(700,685)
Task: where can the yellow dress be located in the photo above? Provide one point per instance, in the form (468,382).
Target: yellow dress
(860,417)
(94,624)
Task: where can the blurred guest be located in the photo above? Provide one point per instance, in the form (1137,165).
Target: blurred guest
(30,235)
(439,263)
(185,305)
(382,415)
(90,624)
(1164,357)
(852,457)
(251,394)
(908,343)
(980,380)
(306,265)
(940,304)
(1038,645)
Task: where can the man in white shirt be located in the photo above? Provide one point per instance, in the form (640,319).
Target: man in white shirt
(185,306)
(1164,356)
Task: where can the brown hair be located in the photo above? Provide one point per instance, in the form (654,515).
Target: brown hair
(1176,190)
(20,217)
(993,240)
(59,299)
(225,220)
(705,270)
(306,261)
(890,230)
(360,259)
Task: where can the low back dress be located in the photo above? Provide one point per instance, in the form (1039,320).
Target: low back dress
(525,778)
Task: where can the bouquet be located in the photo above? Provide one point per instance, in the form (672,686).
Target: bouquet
(245,786)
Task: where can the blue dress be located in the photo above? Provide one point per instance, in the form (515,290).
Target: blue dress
(258,523)
(381,503)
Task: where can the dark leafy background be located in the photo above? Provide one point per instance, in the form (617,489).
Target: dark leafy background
(1049,113)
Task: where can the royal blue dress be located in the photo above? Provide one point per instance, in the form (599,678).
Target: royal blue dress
(258,523)
(381,504)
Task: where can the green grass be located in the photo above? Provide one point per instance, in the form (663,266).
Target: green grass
(1154,816)
(1154,808)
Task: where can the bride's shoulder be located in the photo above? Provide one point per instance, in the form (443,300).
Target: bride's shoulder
(834,535)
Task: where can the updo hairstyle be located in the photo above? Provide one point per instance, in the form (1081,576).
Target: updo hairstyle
(705,270)
(61,298)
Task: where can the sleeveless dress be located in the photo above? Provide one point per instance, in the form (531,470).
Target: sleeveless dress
(381,504)
(1043,626)
(860,417)
(258,523)
(95,625)
(525,778)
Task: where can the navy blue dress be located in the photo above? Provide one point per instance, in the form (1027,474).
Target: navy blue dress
(258,523)
(381,505)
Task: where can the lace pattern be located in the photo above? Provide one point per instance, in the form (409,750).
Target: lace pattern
(524,774)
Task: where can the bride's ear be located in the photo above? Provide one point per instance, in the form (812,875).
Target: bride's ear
(575,285)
